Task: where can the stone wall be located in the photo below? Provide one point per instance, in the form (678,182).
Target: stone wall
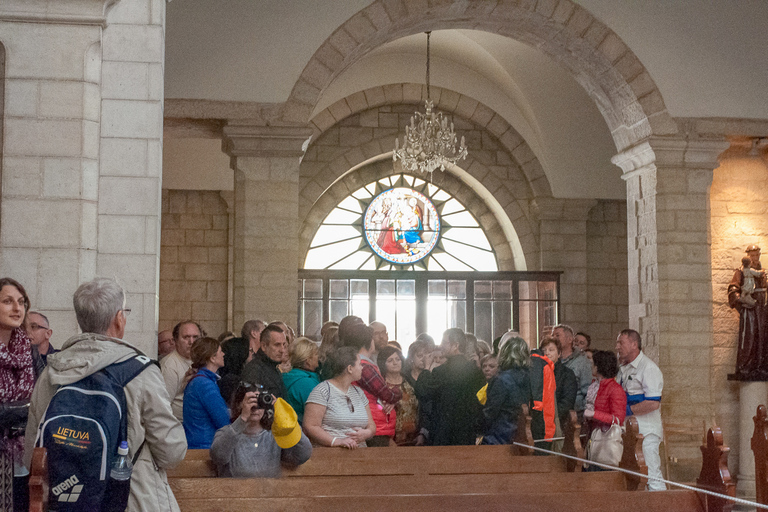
(194,257)
(739,217)
(606,274)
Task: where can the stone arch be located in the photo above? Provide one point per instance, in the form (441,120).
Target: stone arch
(491,168)
(609,71)
(450,102)
(373,171)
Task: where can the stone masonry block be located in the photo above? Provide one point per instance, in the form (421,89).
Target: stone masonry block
(21,98)
(120,234)
(61,99)
(62,177)
(128,196)
(43,137)
(132,119)
(133,43)
(123,157)
(40,219)
(125,80)
(21,176)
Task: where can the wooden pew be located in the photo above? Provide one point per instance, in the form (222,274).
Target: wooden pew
(759,444)
(434,478)
(714,474)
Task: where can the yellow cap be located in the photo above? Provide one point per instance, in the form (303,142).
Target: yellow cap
(285,427)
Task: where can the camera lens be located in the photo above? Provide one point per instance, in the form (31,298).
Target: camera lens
(266,400)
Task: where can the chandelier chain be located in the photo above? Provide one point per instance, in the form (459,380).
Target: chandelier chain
(429,142)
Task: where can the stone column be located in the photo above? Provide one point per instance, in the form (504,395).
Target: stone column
(266,163)
(130,175)
(669,270)
(563,234)
(50,154)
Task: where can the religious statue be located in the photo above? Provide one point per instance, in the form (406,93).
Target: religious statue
(747,294)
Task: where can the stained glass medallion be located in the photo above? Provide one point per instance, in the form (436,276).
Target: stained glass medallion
(401,225)
(400,222)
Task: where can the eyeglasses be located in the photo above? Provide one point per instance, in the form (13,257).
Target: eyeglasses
(33,326)
(126,312)
(349,404)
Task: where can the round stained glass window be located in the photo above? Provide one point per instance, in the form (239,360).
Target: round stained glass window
(401,225)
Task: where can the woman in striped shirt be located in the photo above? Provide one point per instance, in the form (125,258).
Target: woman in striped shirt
(337,412)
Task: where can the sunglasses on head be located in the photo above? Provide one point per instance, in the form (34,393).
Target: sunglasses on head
(250,386)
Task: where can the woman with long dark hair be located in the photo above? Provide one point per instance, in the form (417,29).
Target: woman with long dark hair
(204,408)
(263,437)
(390,362)
(17,379)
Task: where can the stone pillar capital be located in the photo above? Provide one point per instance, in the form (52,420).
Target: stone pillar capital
(248,139)
(679,152)
(69,12)
(551,208)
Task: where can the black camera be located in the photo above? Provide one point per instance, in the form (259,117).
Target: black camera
(265,400)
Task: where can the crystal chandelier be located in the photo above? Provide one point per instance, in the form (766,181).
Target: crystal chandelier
(429,142)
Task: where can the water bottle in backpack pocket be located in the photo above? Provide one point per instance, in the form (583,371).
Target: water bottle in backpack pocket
(82,430)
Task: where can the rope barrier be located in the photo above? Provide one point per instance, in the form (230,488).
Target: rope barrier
(634,473)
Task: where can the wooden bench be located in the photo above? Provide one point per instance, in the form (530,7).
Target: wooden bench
(759,443)
(436,478)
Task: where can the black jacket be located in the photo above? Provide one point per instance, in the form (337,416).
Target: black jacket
(262,370)
(567,387)
(235,354)
(453,388)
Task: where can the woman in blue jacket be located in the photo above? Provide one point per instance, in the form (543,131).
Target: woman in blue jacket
(204,408)
(302,379)
(507,391)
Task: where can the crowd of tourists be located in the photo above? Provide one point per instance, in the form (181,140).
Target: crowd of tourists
(260,401)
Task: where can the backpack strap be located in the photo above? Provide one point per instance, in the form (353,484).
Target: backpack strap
(121,374)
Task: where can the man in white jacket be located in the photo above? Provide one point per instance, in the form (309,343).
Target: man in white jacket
(101,314)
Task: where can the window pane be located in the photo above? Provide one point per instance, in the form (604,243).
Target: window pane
(478,259)
(350,203)
(406,288)
(312,318)
(406,322)
(352,262)
(458,314)
(483,290)
(359,287)
(483,319)
(339,216)
(471,236)
(448,262)
(386,313)
(457,289)
(528,290)
(436,288)
(322,257)
(339,288)
(502,290)
(461,219)
(328,234)
(339,309)
(502,317)
(437,317)
(313,288)
(385,287)
(548,290)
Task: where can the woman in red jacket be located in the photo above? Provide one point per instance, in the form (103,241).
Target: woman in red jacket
(611,401)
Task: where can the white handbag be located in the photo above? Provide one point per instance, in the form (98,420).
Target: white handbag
(606,447)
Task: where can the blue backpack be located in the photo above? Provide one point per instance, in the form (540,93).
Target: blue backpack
(81,431)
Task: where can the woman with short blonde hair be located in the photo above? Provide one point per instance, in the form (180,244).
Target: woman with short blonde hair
(302,379)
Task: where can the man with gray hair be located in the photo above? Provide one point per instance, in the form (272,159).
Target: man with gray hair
(101,314)
(577,362)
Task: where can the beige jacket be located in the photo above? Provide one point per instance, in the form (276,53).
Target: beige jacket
(149,415)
